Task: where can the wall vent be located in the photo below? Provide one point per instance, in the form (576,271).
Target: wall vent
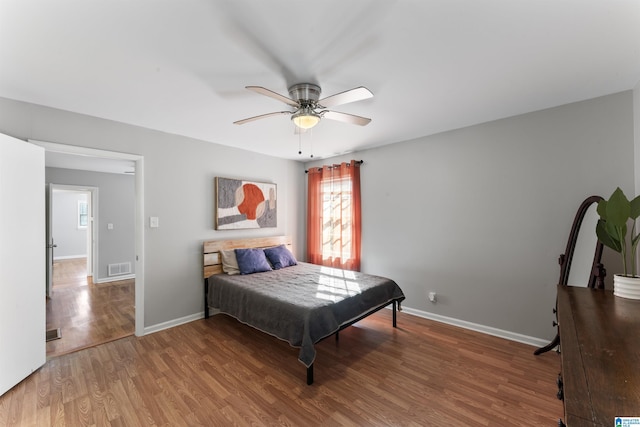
(119,269)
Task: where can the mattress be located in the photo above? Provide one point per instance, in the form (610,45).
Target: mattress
(301,304)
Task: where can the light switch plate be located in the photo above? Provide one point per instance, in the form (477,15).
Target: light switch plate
(154,222)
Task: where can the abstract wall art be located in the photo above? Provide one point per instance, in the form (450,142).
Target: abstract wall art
(245,204)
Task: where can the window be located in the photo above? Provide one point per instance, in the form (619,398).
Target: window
(83,214)
(333,211)
(336,212)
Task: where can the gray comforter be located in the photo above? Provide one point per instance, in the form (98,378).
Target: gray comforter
(301,304)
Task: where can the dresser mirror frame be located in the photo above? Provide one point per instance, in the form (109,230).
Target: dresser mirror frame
(596,276)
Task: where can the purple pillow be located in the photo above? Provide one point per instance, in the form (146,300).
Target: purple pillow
(280,257)
(251,261)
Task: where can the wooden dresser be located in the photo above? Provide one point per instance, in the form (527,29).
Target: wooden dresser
(600,350)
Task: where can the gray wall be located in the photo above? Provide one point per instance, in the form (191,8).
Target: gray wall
(478,215)
(179,189)
(481,214)
(116,205)
(71,241)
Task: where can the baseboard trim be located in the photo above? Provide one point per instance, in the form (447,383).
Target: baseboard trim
(63,257)
(115,278)
(501,333)
(172,323)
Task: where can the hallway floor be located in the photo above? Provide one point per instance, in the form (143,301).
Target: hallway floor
(86,313)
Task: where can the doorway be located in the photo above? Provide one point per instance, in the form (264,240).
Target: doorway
(95,157)
(85,310)
(71,227)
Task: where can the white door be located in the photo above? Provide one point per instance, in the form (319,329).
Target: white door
(22,260)
(51,246)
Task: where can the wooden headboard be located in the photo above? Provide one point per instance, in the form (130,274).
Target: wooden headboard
(211,250)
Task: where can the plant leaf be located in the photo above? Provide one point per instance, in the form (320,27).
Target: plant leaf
(602,209)
(607,238)
(635,208)
(618,209)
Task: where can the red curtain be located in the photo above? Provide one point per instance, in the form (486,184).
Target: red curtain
(333,216)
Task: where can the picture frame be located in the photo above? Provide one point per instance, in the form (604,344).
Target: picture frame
(242,204)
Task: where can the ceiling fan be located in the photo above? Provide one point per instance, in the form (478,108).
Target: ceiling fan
(309,108)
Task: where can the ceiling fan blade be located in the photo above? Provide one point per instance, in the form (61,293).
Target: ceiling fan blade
(352,95)
(264,91)
(262,116)
(345,117)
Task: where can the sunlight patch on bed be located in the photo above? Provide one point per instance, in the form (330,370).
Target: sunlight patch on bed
(332,288)
(336,272)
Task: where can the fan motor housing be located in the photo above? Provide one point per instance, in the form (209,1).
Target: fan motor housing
(305,93)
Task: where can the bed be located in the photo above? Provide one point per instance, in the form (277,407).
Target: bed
(299,303)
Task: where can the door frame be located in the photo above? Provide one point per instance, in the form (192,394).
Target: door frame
(139,221)
(92,226)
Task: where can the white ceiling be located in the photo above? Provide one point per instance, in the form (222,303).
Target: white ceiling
(181,66)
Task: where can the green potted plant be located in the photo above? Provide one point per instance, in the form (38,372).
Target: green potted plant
(612,231)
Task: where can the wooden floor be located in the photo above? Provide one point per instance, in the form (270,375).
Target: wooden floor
(87,314)
(219,372)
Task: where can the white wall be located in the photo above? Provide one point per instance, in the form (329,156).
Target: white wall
(70,240)
(481,214)
(179,189)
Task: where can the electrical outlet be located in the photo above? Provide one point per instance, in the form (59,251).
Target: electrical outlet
(433,297)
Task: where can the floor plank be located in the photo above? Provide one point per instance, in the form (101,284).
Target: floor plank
(220,372)
(87,313)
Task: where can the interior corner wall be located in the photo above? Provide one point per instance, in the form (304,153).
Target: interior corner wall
(116,206)
(636,135)
(179,189)
(481,214)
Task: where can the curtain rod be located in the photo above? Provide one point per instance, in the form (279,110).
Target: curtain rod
(359,162)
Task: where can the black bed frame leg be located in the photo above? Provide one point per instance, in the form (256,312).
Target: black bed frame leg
(206,298)
(395,323)
(310,374)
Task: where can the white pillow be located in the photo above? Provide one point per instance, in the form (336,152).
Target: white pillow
(229,262)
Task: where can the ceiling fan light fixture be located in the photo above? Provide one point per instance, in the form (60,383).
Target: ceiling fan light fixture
(306,118)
